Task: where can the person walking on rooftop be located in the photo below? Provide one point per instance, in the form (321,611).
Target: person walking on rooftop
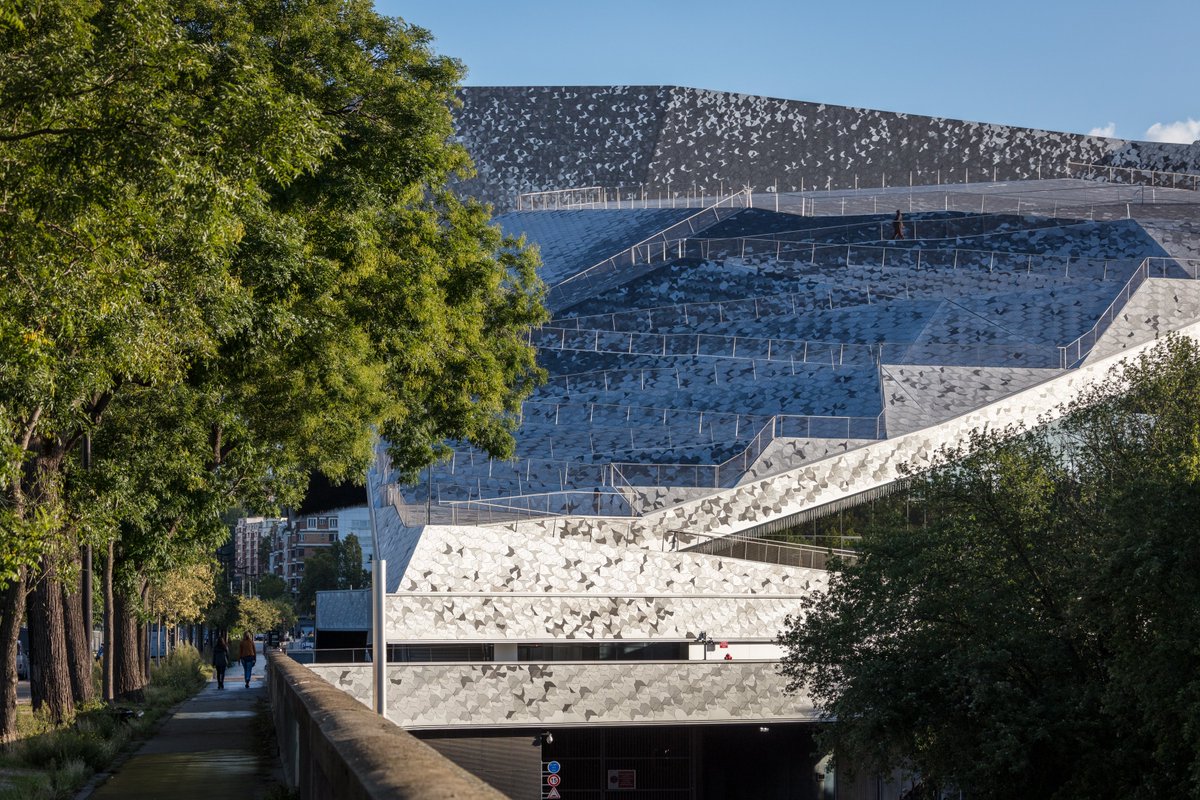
(898,226)
(247,654)
(220,660)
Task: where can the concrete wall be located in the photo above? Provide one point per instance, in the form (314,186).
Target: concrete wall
(333,748)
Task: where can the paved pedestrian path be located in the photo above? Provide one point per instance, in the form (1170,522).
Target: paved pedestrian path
(208,748)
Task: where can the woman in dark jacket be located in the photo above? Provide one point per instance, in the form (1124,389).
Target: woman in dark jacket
(220,660)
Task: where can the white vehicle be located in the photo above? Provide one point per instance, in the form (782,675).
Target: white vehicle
(22,663)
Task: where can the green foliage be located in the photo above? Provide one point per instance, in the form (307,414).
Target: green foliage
(271,587)
(222,612)
(286,613)
(339,567)
(231,257)
(347,553)
(52,750)
(183,673)
(256,616)
(183,594)
(1036,631)
(27,786)
(320,574)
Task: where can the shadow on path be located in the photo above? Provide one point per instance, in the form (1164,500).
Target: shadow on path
(208,748)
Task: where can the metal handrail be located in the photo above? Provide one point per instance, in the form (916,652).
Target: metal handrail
(720,472)
(1110,171)
(773,351)
(663,235)
(1074,351)
(577,286)
(737,545)
(593,321)
(973,202)
(758,348)
(532,197)
(887,242)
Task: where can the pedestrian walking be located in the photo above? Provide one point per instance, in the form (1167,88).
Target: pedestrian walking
(247,654)
(898,226)
(220,660)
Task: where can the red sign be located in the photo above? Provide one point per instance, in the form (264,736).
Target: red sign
(553,794)
(724,645)
(622,779)
(554,780)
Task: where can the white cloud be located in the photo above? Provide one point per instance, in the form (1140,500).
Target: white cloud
(1109,130)
(1178,132)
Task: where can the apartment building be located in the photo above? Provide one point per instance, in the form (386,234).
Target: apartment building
(249,533)
(305,535)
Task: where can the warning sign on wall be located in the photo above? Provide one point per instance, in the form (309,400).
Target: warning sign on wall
(622,779)
(553,780)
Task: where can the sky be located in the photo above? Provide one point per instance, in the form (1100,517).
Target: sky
(1126,69)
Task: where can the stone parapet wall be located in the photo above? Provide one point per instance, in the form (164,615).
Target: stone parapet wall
(333,748)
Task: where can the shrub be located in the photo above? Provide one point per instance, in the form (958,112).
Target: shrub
(183,670)
(31,786)
(57,749)
(70,776)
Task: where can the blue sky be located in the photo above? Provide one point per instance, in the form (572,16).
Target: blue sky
(1057,64)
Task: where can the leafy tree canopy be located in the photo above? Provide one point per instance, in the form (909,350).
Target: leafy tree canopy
(320,574)
(347,552)
(232,219)
(286,611)
(256,616)
(338,567)
(271,587)
(182,595)
(1036,633)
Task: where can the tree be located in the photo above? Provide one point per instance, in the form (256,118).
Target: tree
(221,615)
(320,574)
(182,595)
(256,616)
(339,567)
(286,613)
(347,554)
(228,225)
(271,587)
(1036,633)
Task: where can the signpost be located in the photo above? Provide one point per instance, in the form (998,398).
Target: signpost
(553,780)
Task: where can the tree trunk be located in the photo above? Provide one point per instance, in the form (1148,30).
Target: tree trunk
(79,646)
(10,630)
(106,677)
(126,655)
(49,678)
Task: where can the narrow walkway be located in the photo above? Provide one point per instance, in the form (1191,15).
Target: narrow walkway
(208,748)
